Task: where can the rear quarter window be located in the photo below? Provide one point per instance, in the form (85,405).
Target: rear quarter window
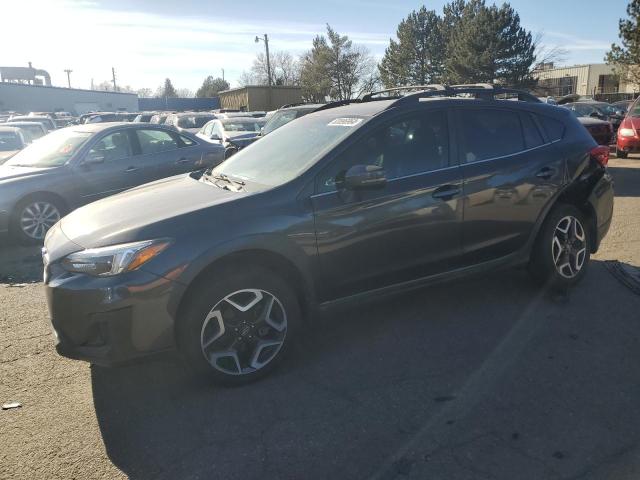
(554,129)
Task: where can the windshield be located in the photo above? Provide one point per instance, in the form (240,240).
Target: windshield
(9,141)
(194,121)
(237,125)
(52,150)
(35,131)
(289,151)
(279,119)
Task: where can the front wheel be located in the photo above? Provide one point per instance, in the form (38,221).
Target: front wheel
(562,251)
(237,327)
(33,218)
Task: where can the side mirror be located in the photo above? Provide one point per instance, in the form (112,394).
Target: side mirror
(619,113)
(365,177)
(93,158)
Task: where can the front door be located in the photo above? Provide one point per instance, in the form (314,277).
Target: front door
(107,168)
(409,229)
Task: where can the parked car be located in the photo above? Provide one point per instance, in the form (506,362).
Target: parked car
(111,117)
(232,133)
(287,114)
(344,204)
(144,117)
(622,105)
(599,110)
(628,138)
(47,122)
(77,165)
(190,122)
(11,142)
(31,130)
(601,130)
(159,118)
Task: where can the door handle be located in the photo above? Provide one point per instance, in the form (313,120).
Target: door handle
(131,169)
(446,192)
(182,160)
(546,173)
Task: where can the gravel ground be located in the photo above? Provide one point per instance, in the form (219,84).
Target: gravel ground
(486,378)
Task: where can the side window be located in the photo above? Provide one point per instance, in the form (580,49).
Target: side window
(155,141)
(532,136)
(552,127)
(489,133)
(208,128)
(113,147)
(418,143)
(186,142)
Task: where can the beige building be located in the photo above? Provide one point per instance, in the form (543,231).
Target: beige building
(259,97)
(586,80)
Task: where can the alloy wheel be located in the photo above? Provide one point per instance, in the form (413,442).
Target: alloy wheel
(569,247)
(37,218)
(244,331)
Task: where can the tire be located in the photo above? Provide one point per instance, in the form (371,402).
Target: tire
(214,323)
(43,210)
(621,153)
(559,260)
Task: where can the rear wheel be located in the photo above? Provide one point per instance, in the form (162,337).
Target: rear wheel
(621,153)
(33,217)
(562,251)
(237,327)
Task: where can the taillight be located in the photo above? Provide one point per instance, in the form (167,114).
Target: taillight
(600,154)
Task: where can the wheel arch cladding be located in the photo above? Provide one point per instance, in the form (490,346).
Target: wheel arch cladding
(267,259)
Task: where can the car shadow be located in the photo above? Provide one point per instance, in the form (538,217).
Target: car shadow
(360,382)
(626,180)
(18,263)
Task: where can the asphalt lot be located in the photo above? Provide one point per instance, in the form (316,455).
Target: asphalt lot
(486,378)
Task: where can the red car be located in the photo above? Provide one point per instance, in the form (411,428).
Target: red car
(628,134)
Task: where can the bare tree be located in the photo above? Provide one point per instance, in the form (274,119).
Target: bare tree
(284,70)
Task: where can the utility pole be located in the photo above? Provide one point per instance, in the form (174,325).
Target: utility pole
(68,72)
(265,39)
(113,73)
(223,74)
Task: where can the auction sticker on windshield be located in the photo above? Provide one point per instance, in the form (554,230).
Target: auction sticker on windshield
(344,122)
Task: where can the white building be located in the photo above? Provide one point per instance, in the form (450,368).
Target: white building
(586,80)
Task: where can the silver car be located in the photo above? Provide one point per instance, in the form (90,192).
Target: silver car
(77,165)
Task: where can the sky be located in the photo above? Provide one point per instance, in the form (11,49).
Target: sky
(147,41)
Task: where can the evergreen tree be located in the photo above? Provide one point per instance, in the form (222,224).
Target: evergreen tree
(625,58)
(211,86)
(417,57)
(489,45)
(168,90)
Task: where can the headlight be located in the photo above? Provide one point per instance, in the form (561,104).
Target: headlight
(627,132)
(108,261)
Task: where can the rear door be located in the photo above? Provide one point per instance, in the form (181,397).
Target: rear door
(162,153)
(511,169)
(108,167)
(410,228)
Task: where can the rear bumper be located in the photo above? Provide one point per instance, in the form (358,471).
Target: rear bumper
(601,199)
(112,320)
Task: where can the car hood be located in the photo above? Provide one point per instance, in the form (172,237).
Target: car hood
(631,122)
(242,139)
(11,172)
(7,154)
(147,210)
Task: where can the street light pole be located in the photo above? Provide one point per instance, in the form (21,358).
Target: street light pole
(68,72)
(223,74)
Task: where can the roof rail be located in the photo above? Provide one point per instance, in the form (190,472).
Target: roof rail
(337,103)
(367,97)
(484,91)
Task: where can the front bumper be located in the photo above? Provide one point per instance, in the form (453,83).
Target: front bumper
(628,144)
(110,320)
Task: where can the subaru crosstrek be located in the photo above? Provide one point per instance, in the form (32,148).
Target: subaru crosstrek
(380,195)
